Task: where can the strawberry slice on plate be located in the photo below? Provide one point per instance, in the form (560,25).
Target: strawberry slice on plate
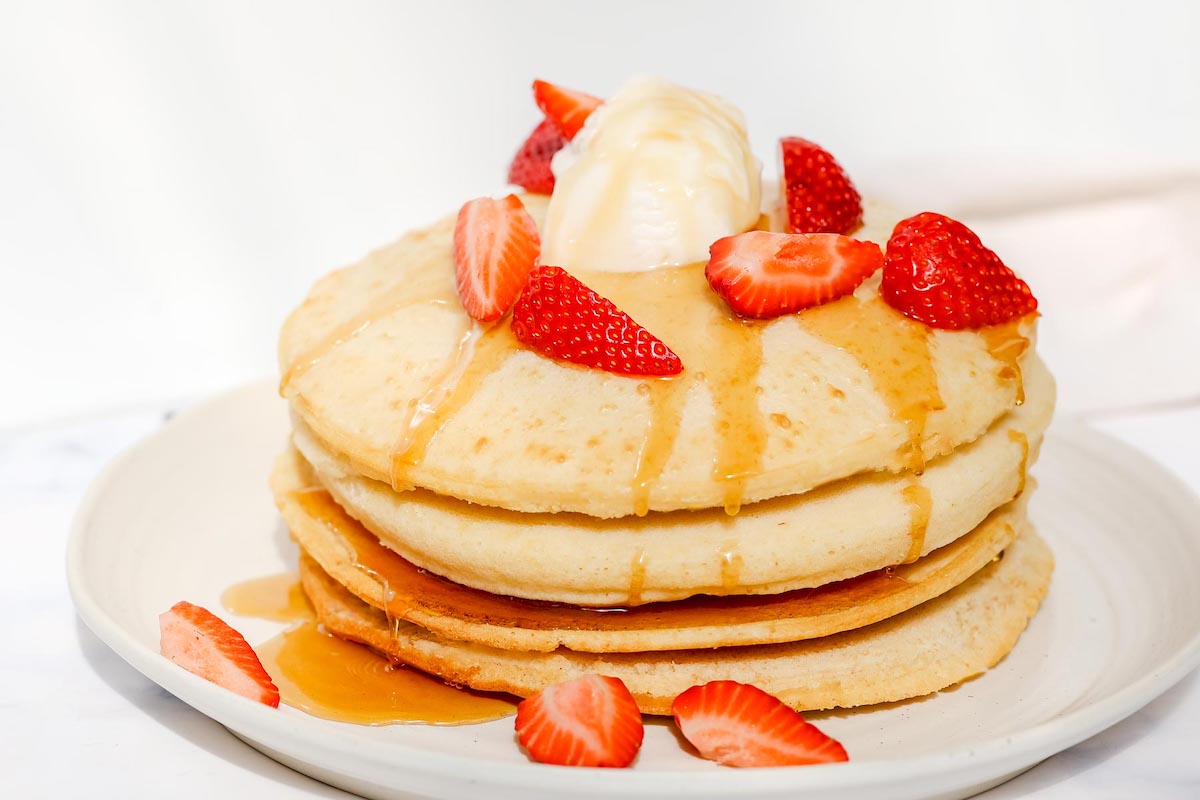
(820,196)
(560,317)
(496,244)
(530,167)
(590,721)
(764,275)
(567,108)
(742,726)
(197,640)
(938,272)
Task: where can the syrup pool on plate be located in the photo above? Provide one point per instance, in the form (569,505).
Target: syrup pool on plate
(340,680)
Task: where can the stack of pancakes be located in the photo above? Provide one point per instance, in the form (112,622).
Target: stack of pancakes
(829,505)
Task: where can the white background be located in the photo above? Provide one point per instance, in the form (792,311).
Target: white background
(174,175)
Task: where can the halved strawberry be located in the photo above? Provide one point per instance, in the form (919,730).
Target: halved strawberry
(496,244)
(530,167)
(820,196)
(561,318)
(567,108)
(197,640)
(764,275)
(591,721)
(743,726)
(938,272)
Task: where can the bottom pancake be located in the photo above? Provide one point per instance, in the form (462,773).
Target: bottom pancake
(935,645)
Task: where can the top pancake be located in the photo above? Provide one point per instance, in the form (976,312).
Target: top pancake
(385,368)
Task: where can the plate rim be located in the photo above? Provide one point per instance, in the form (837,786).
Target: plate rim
(1058,733)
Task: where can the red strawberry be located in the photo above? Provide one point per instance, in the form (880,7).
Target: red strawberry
(567,108)
(530,167)
(496,244)
(201,643)
(765,275)
(743,726)
(820,198)
(591,721)
(560,317)
(937,271)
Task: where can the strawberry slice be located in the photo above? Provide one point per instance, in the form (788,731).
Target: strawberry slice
(591,721)
(743,726)
(559,317)
(201,643)
(530,167)
(568,109)
(764,275)
(938,272)
(496,244)
(820,197)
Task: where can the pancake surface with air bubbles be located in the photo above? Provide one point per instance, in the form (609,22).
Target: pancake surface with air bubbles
(387,371)
(857,525)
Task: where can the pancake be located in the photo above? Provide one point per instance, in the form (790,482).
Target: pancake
(381,578)
(845,529)
(387,370)
(937,644)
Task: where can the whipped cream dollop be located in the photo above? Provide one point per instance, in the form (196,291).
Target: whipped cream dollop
(656,175)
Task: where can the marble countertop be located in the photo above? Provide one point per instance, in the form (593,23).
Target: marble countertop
(75,719)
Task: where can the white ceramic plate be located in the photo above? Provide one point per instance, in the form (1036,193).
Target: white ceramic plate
(186,513)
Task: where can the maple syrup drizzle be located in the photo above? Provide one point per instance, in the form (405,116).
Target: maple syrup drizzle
(428,278)
(741,434)
(920,507)
(393,301)
(368,554)
(1007,344)
(1021,439)
(637,578)
(336,679)
(731,567)
(894,351)
(666,399)
(678,306)
(394,611)
(479,354)
(443,385)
